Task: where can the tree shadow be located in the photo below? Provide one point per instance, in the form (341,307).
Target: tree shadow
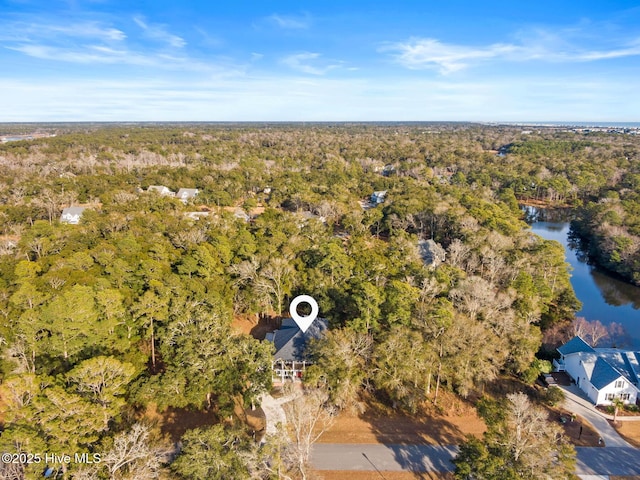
(265,325)
(175,422)
(609,461)
(423,443)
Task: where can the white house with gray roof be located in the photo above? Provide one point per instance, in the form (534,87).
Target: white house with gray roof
(161,189)
(186,194)
(291,357)
(603,374)
(72,215)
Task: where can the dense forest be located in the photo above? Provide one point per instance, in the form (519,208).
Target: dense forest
(133,307)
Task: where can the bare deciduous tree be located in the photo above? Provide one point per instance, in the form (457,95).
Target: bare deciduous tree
(134,455)
(590,331)
(272,282)
(308,416)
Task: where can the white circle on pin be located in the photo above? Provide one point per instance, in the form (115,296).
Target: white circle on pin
(303,322)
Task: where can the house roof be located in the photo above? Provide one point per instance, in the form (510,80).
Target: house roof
(431,252)
(187,192)
(241,214)
(603,374)
(576,344)
(291,342)
(161,189)
(73,211)
(626,362)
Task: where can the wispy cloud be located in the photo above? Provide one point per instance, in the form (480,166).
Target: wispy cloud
(88,30)
(106,55)
(159,33)
(307,62)
(418,53)
(101,43)
(88,54)
(27,31)
(293,22)
(430,53)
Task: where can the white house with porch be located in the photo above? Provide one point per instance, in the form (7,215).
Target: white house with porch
(603,374)
(291,358)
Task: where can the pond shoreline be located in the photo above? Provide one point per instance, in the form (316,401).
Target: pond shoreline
(604,295)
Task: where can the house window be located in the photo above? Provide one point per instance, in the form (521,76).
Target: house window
(609,396)
(619,384)
(625,396)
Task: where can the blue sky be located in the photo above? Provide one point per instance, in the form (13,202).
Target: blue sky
(103,60)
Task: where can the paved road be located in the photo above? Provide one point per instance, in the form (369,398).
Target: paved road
(417,458)
(575,402)
(617,458)
(427,458)
(608,461)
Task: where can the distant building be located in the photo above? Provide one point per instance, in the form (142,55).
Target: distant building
(197,215)
(307,215)
(291,358)
(432,253)
(603,374)
(378,197)
(241,214)
(161,189)
(186,194)
(72,215)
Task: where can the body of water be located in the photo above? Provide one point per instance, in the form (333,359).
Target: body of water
(603,296)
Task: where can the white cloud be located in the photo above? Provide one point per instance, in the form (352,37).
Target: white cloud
(93,42)
(89,30)
(158,32)
(27,31)
(430,53)
(290,21)
(89,54)
(306,62)
(106,55)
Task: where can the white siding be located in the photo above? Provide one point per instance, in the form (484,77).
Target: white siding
(574,368)
(628,388)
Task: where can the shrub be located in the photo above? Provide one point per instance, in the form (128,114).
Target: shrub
(536,368)
(553,395)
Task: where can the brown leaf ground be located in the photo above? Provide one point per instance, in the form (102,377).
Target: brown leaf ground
(630,431)
(380,424)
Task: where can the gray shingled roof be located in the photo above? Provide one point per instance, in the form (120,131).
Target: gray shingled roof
(603,374)
(291,343)
(576,344)
(74,210)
